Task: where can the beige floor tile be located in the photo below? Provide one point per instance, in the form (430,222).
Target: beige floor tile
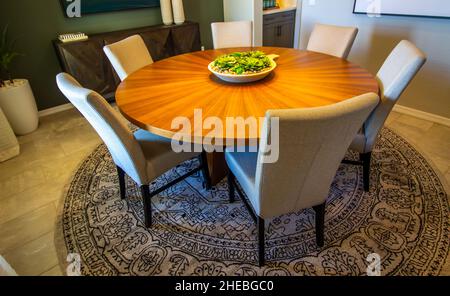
(35,257)
(392,117)
(421,124)
(410,133)
(447,177)
(26,228)
(442,164)
(14,206)
(55,271)
(62,169)
(30,177)
(15,167)
(78,140)
(436,142)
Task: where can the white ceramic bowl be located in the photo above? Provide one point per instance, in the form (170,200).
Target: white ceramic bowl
(244,78)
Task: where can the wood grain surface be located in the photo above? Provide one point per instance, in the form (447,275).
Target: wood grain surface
(153,96)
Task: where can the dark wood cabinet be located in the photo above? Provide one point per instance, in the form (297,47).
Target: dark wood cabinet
(279,29)
(86,61)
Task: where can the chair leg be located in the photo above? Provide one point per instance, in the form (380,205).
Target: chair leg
(366,158)
(320,224)
(205,170)
(145,190)
(231,188)
(261,241)
(122,184)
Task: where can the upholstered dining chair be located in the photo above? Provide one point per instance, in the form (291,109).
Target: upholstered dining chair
(394,76)
(142,156)
(232,34)
(128,55)
(312,144)
(332,40)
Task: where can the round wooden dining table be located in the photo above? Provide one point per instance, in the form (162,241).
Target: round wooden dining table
(154,96)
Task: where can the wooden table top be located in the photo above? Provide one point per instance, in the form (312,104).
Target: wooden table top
(153,96)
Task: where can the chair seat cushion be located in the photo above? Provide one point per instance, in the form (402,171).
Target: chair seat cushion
(159,154)
(359,143)
(243,167)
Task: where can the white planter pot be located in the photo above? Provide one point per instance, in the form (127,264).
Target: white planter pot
(166,12)
(18,104)
(9,146)
(178,12)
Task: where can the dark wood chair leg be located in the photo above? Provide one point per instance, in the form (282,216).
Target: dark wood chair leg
(145,190)
(122,184)
(205,170)
(320,224)
(231,189)
(261,242)
(366,159)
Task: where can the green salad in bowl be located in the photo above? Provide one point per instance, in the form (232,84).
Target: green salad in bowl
(242,67)
(242,63)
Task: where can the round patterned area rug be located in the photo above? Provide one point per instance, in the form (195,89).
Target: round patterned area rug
(404,218)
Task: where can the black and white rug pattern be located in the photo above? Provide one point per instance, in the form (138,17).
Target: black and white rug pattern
(404,218)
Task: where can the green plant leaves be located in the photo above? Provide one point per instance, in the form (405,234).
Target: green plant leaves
(7,55)
(242,62)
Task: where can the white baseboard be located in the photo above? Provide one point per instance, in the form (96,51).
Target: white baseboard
(422,115)
(54,110)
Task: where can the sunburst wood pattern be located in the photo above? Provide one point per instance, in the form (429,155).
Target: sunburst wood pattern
(153,96)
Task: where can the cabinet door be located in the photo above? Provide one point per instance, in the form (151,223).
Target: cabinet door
(270,35)
(285,35)
(279,29)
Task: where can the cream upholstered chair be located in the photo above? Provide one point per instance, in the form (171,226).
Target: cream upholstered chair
(394,76)
(128,56)
(142,156)
(332,40)
(312,144)
(232,34)
(5,268)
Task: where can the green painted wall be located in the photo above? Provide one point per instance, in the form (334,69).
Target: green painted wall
(37,22)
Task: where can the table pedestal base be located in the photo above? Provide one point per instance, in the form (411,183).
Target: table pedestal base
(217,167)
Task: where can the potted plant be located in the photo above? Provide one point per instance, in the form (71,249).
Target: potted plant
(16,97)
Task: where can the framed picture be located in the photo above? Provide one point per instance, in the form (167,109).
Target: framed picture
(99,6)
(418,8)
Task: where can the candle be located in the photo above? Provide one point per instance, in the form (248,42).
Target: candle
(178,11)
(166,12)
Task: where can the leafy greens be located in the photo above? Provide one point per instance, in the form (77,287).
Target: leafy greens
(241,63)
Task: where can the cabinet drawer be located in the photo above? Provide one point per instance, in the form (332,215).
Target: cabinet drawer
(288,16)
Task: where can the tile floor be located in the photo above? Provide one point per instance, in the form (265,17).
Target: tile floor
(32,184)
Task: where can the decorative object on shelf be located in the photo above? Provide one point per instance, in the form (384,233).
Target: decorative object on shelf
(166,12)
(99,6)
(178,12)
(16,97)
(9,146)
(270,4)
(73,37)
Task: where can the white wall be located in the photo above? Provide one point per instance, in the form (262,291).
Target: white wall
(246,10)
(430,91)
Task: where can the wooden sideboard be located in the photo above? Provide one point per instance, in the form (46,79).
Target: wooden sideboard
(86,61)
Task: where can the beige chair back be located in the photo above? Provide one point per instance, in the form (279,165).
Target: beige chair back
(312,144)
(332,40)
(232,34)
(125,150)
(394,77)
(128,56)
